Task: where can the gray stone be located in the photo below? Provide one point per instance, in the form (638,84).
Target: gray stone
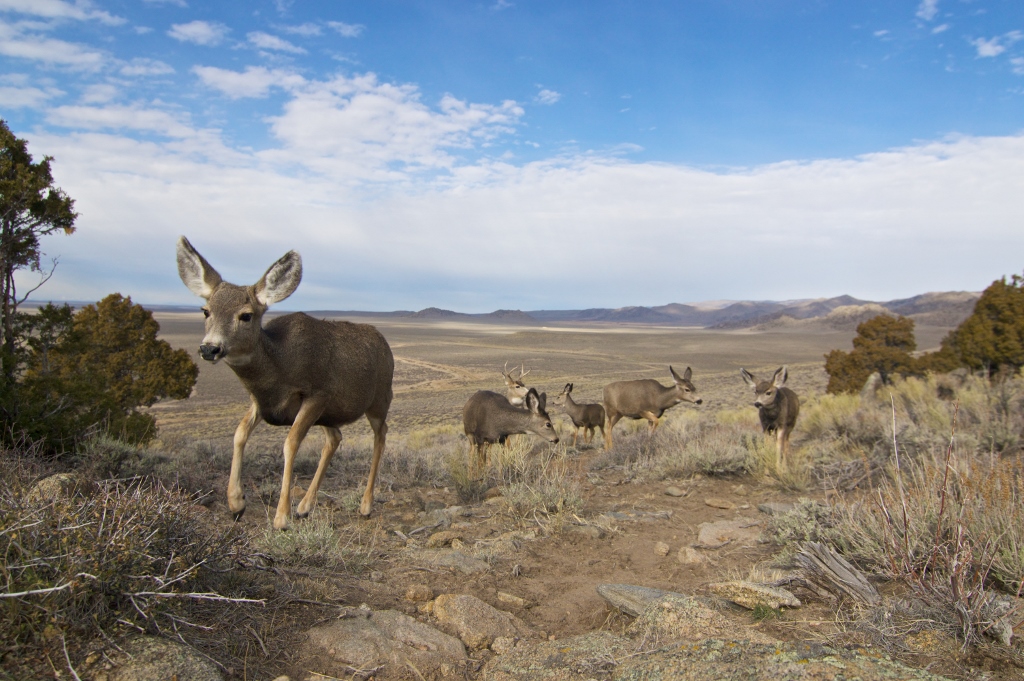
(478,623)
(588,531)
(47,489)
(742,531)
(385,637)
(674,491)
(632,600)
(688,555)
(750,595)
(158,659)
(674,618)
(446,558)
(715,502)
(590,656)
(775,507)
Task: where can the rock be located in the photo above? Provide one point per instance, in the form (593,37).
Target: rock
(283,677)
(602,655)
(676,618)
(588,531)
(418,593)
(476,622)
(1001,612)
(630,599)
(442,538)
(47,489)
(385,637)
(590,656)
(715,502)
(493,493)
(661,548)
(509,599)
(503,644)
(742,531)
(775,507)
(446,558)
(158,659)
(690,556)
(740,490)
(751,595)
(676,492)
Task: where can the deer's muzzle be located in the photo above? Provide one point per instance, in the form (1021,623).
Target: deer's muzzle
(211,353)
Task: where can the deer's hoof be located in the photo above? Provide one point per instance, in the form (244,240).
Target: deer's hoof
(237,515)
(301,515)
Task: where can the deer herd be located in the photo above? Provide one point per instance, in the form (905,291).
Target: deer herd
(302,372)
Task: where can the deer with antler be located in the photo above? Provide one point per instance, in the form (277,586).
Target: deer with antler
(516,389)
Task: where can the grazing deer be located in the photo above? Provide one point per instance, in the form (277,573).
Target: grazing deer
(645,399)
(489,417)
(777,406)
(299,371)
(516,388)
(586,416)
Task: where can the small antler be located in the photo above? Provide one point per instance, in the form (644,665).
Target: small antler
(523,373)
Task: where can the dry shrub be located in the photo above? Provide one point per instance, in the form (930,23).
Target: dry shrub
(950,527)
(542,479)
(107,559)
(313,542)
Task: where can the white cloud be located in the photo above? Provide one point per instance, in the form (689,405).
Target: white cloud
(360,128)
(546,96)
(176,3)
(347,30)
(941,28)
(199,32)
(928,9)
(15,41)
(901,215)
(82,10)
(143,66)
(881,33)
(1017,63)
(26,97)
(120,118)
(993,47)
(255,81)
(265,41)
(307,29)
(99,93)
(988,48)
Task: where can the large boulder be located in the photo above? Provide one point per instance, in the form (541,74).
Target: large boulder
(478,623)
(387,637)
(157,659)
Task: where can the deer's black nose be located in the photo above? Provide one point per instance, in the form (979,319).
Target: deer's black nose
(210,352)
(699,402)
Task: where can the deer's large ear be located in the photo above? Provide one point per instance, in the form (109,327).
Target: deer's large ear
(675,377)
(781,376)
(281,280)
(748,378)
(542,402)
(532,400)
(197,274)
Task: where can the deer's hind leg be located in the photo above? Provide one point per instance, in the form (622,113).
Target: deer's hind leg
(236,497)
(380,432)
(607,430)
(308,414)
(332,438)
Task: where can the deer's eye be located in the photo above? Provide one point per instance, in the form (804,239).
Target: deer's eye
(206,313)
(245,317)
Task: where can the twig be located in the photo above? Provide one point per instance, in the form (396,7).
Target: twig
(67,658)
(199,597)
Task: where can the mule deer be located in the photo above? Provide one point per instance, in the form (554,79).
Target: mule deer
(645,399)
(777,406)
(516,388)
(489,417)
(586,416)
(299,371)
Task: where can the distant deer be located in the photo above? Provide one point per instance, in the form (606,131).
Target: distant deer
(777,406)
(299,371)
(489,417)
(516,388)
(586,416)
(645,399)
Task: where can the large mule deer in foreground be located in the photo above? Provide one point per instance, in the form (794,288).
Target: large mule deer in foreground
(645,399)
(516,389)
(777,406)
(585,416)
(299,371)
(489,417)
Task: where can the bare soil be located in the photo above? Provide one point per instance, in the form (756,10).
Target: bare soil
(554,570)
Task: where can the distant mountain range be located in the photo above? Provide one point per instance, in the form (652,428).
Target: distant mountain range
(938,309)
(933,309)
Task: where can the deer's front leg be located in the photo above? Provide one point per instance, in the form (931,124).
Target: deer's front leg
(309,412)
(236,497)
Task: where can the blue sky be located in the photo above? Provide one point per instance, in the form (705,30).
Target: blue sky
(512,154)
